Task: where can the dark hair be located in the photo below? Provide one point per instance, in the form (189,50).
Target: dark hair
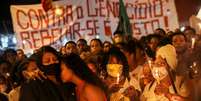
(80,68)
(20,50)
(9,53)
(2,79)
(147,50)
(107,42)
(118,32)
(82,40)
(40,54)
(154,35)
(164,41)
(178,33)
(98,40)
(162,31)
(44,50)
(114,51)
(189,28)
(71,42)
(23,66)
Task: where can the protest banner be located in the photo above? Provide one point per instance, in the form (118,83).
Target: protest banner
(87,19)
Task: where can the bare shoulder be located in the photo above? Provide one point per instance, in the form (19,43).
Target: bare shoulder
(94,93)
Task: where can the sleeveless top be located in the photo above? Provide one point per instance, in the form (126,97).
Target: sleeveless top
(80,89)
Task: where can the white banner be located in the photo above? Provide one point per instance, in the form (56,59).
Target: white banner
(87,19)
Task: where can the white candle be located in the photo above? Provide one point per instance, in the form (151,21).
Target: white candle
(149,62)
(192,42)
(118,78)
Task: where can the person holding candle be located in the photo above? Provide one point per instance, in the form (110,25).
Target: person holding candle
(117,76)
(179,41)
(190,33)
(166,86)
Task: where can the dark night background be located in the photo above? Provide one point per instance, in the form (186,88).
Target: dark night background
(185,8)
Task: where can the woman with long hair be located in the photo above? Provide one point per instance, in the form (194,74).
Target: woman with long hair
(88,86)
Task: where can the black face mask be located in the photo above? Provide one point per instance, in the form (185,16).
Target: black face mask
(52,69)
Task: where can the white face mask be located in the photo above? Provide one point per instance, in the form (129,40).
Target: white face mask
(114,70)
(159,72)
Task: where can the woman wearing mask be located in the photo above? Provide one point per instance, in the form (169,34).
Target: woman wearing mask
(88,85)
(49,88)
(117,76)
(165,87)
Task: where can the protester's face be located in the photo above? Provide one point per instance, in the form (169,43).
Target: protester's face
(66,73)
(63,50)
(4,68)
(20,54)
(179,42)
(3,87)
(84,55)
(80,45)
(118,38)
(31,66)
(189,34)
(106,47)
(11,58)
(49,58)
(31,70)
(95,46)
(71,48)
(153,44)
(114,67)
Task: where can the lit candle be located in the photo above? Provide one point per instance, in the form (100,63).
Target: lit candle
(118,78)
(192,42)
(149,62)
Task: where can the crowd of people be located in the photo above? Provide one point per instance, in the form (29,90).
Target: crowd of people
(163,66)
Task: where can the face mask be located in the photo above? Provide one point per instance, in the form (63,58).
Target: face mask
(114,70)
(159,73)
(52,69)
